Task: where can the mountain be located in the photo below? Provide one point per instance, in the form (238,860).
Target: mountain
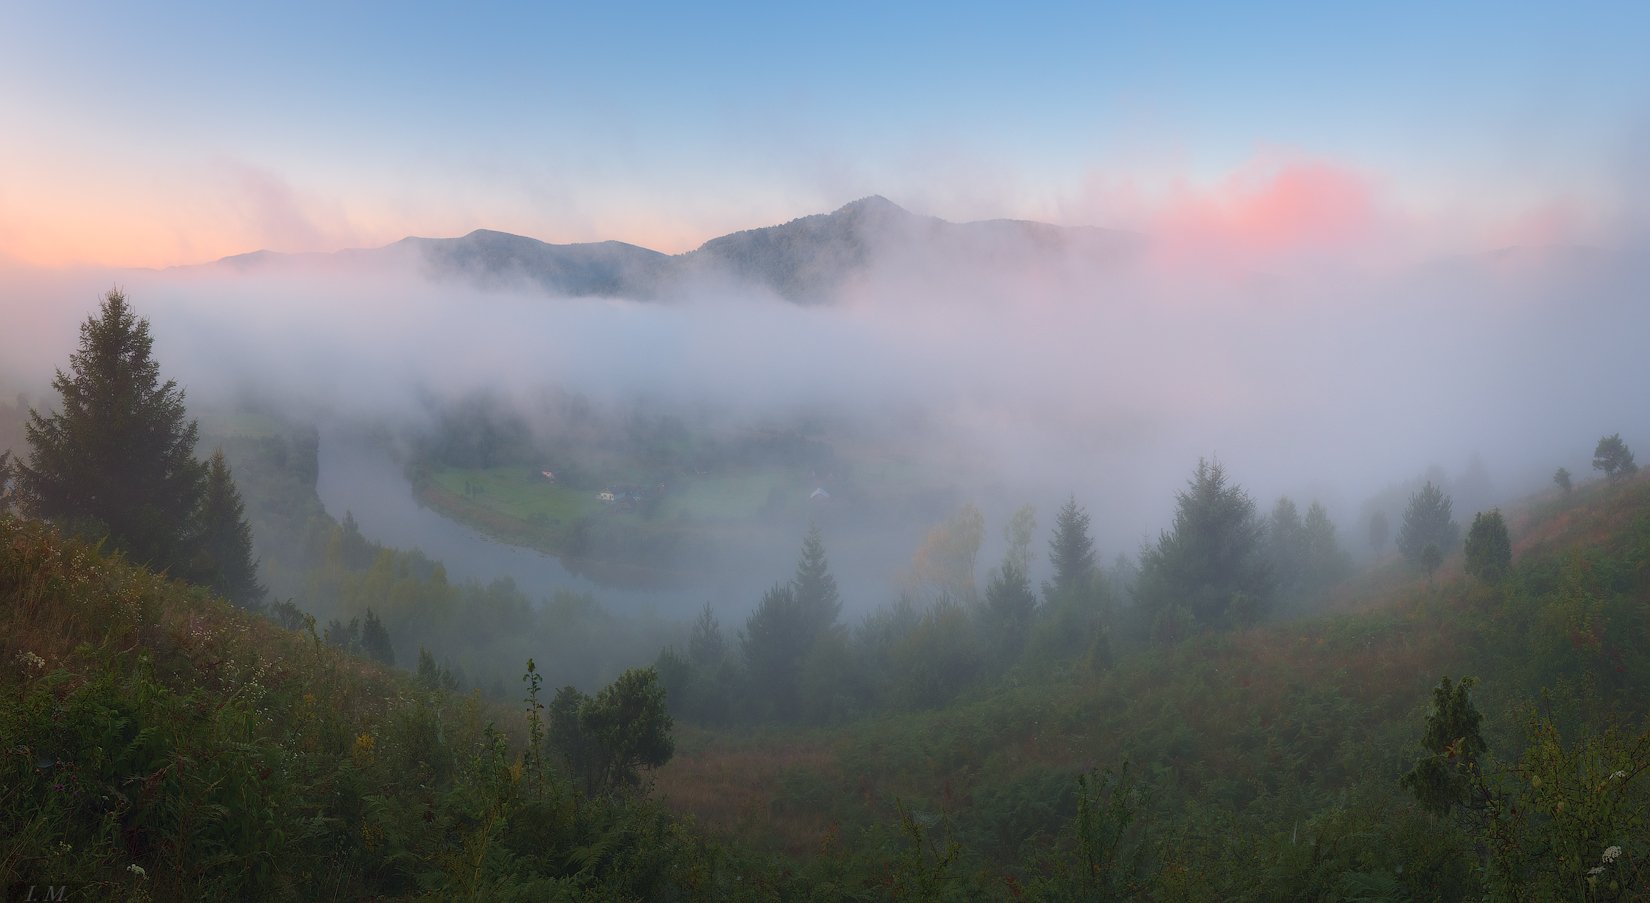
(808,260)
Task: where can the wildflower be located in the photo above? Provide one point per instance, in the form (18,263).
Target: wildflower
(137,870)
(1612,853)
(30,661)
(1595,871)
(1619,776)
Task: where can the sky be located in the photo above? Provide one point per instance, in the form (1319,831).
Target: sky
(175,133)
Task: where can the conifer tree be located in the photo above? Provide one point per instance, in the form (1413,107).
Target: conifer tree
(1070,550)
(375,640)
(1488,550)
(1211,565)
(814,589)
(116,461)
(224,541)
(1612,456)
(1427,523)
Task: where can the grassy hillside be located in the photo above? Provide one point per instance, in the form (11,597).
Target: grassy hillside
(159,744)
(1267,759)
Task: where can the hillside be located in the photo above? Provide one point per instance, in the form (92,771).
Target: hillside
(163,745)
(160,744)
(1265,761)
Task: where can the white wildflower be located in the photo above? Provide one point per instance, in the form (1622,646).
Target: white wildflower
(1619,776)
(1611,854)
(1595,871)
(31,661)
(137,870)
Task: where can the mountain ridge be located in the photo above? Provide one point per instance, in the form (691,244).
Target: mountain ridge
(810,259)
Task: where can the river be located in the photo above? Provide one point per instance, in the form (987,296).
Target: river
(362,477)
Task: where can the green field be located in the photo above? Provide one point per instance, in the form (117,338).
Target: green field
(519,493)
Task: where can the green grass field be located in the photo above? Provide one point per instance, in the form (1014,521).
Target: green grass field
(518,493)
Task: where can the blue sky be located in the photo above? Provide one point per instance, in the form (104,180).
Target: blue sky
(167,133)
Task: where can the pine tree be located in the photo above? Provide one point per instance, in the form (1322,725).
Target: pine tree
(1211,565)
(1010,606)
(224,541)
(117,460)
(1325,562)
(1427,523)
(1286,546)
(1070,550)
(375,640)
(813,586)
(1488,550)
(1612,456)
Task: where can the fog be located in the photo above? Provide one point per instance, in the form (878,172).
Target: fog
(1023,375)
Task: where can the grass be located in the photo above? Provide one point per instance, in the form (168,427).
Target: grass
(519,493)
(1274,718)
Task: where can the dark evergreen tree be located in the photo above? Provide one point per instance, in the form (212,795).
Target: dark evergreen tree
(1210,568)
(814,588)
(1010,606)
(117,459)
(1070,551)
(1561,479)
(706,646)
(775,640)
(1286,547)
(375,640)
(1488,549)
(1447,776)
(1325,563)
(224,541)
(1427,523)
(1612,456)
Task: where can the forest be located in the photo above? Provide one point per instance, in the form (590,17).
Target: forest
(213,687)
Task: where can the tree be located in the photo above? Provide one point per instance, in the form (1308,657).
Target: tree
(814,587)
(1021,527)
(1070,551)
(223,541)
(1010,606)
(117,460)
(1614,458)
(1286,547)
(1446,778)
(1488,550)
(706,646)
(1427,523)
(1210,567)
(627,727)
(943,565)
(1323,561)
(1561,479)
(375,640)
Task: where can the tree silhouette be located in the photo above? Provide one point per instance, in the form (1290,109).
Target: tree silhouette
(117,460)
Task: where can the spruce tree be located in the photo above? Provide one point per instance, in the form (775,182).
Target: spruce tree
(1489,549)
(375,640)
(1427,523)
(117,459)
(224,541)
(1070,550)
(1212,565)
(813,587)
